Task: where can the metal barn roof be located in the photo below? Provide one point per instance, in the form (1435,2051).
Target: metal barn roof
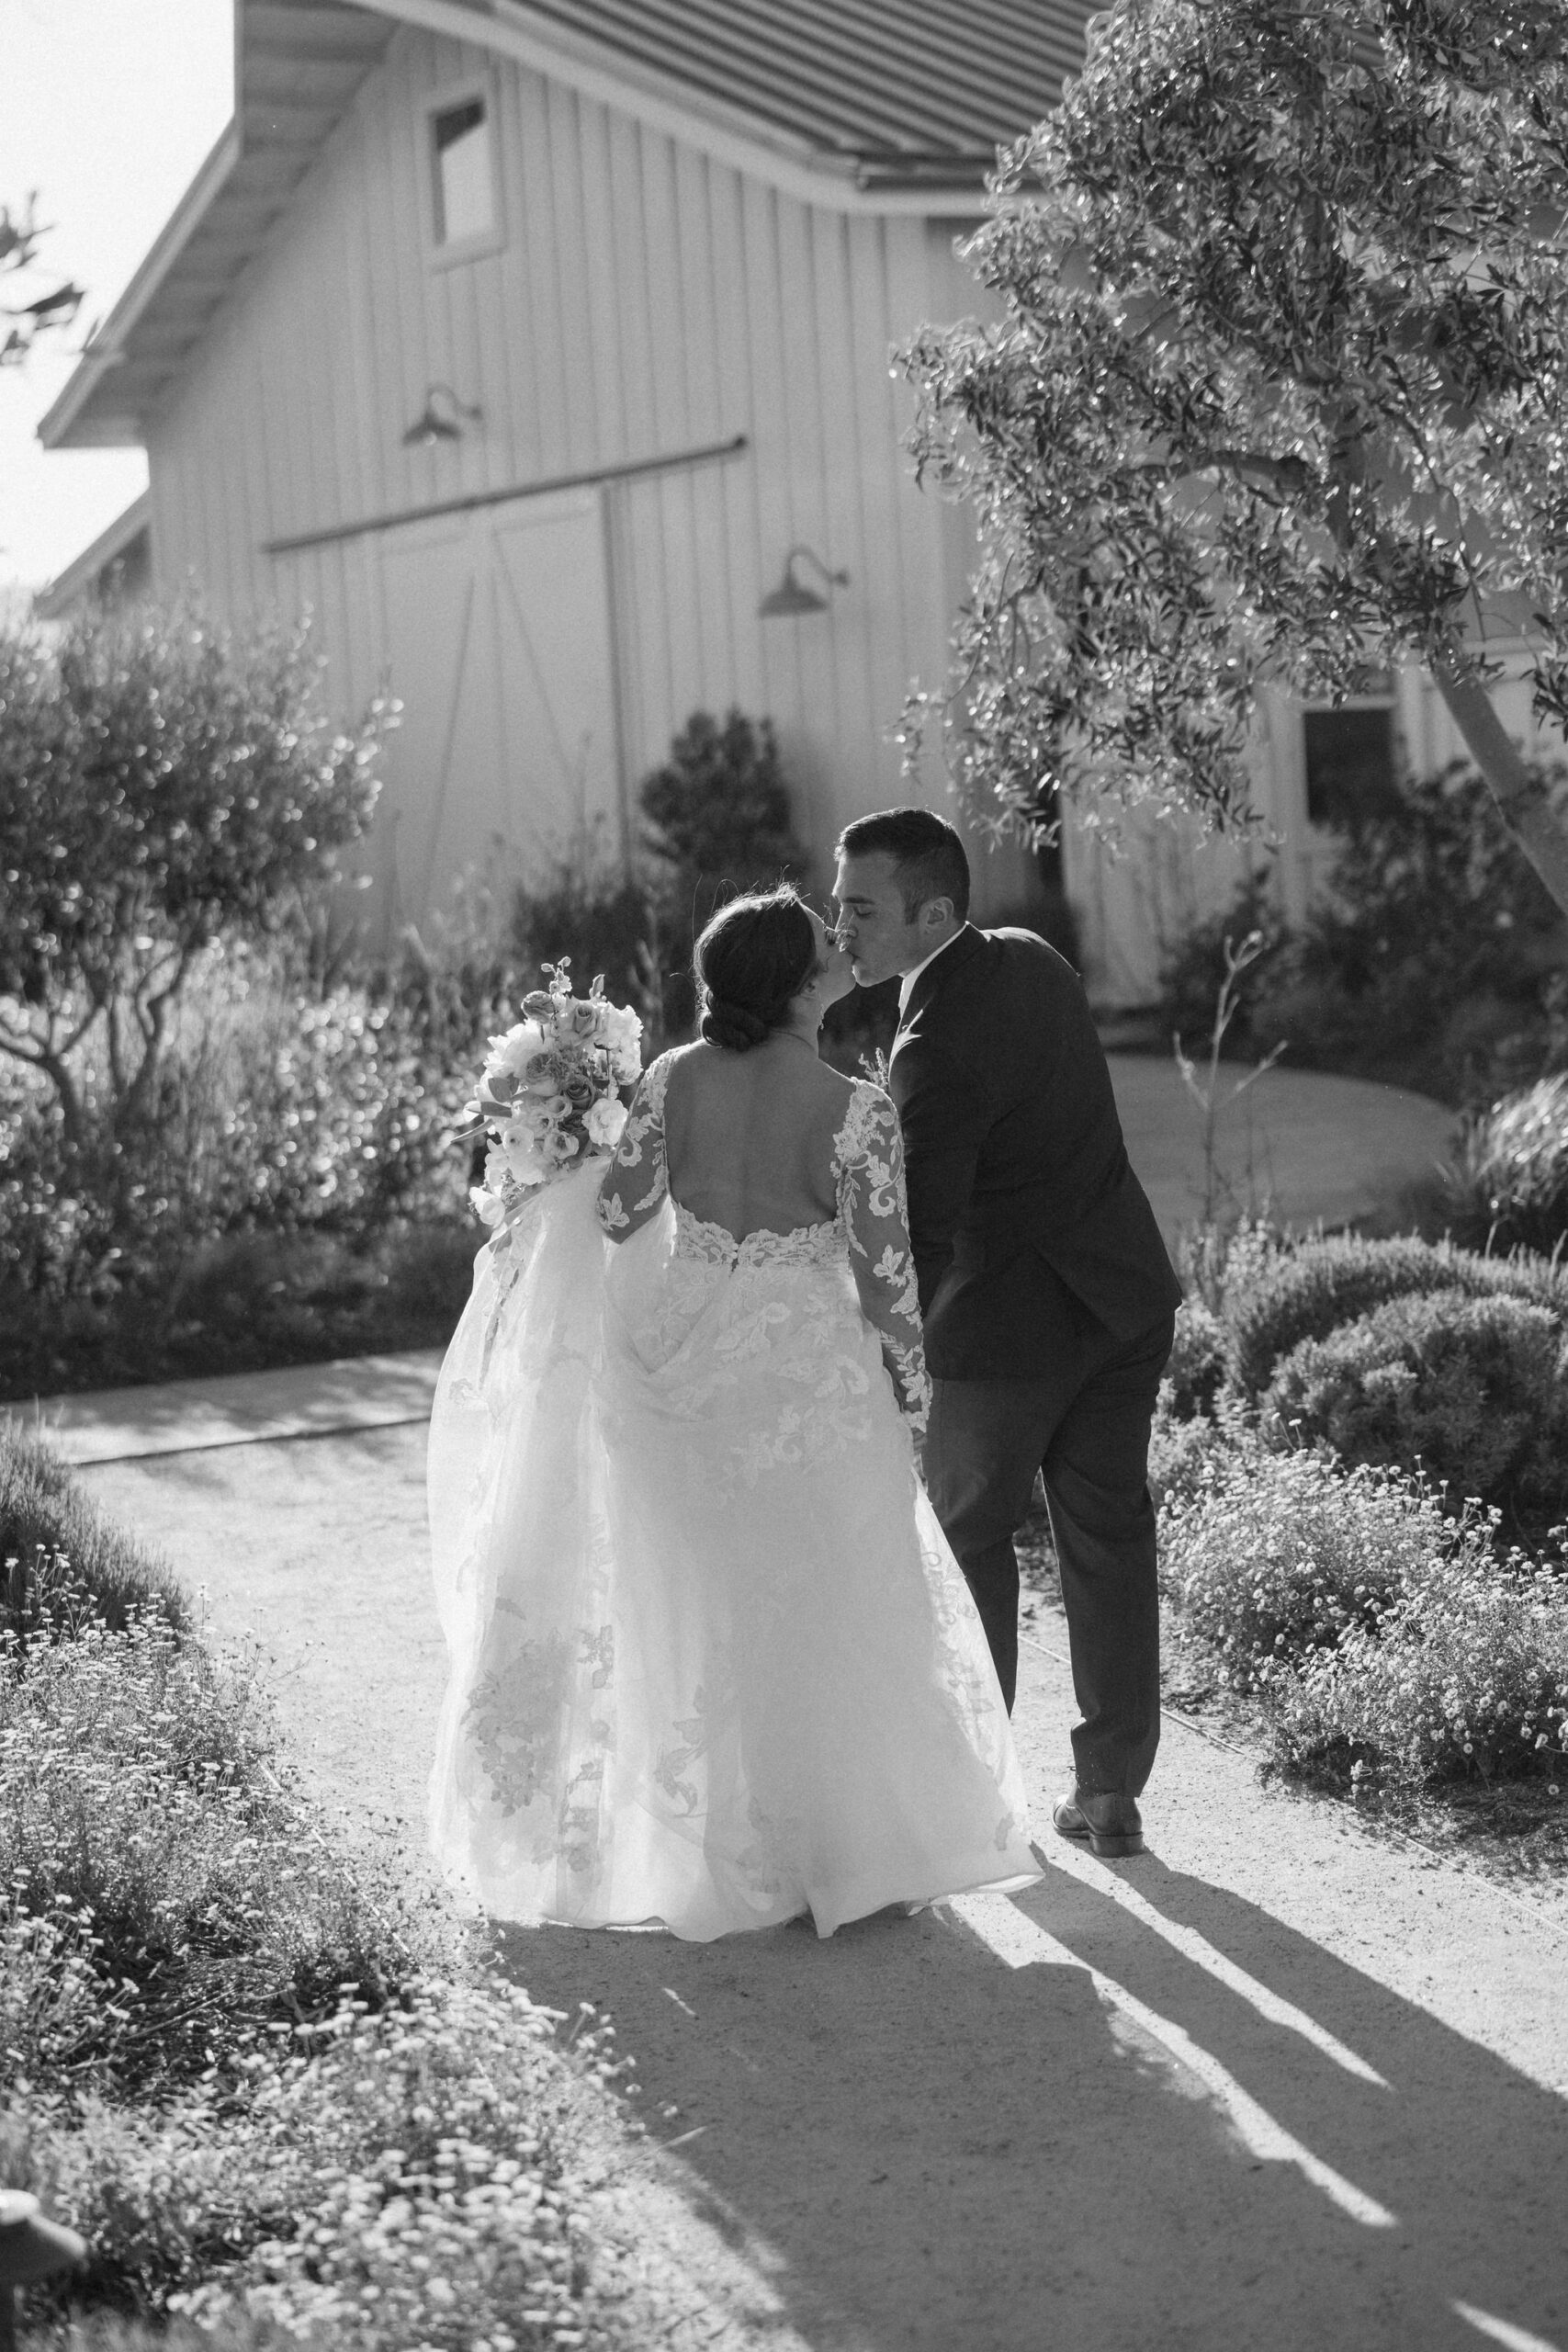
(901,100)
(896,86)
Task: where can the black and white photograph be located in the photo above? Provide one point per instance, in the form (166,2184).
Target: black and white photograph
(784,1175)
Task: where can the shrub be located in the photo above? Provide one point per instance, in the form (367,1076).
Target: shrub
(1197,1363)
(162,785)
(598,919)
(1508,1186)
(140,1805)
(1276,1554)
(1195,970)
(1466,1671)
(1431,957)
(227,2057)
(411,2177)
(272,1110)
(1276,1301)
(1185,1456)
(718,820)
(161,2195)
(62,1557)
(1468,1389)
(431,2195)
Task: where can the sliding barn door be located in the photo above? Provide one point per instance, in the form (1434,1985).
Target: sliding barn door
(505,762)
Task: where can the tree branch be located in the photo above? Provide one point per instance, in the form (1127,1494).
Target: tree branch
(1522,795)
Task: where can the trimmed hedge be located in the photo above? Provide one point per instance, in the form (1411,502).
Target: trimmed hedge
(1307,1292)
(1469,1389)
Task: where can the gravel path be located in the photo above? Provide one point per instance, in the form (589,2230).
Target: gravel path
(1275,2084)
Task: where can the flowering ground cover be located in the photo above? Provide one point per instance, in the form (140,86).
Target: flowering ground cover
(283,2097)
(1379,1594)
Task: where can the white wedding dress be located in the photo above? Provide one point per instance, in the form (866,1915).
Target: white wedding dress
(713,1663)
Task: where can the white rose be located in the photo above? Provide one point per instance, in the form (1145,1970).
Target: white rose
(524,1161)
(606,1121)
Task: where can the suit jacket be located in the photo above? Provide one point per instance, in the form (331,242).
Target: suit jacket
(1022,1200)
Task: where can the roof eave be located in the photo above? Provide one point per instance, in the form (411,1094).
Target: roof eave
(50,602)
(105,351)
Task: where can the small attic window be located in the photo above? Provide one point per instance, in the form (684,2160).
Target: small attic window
(463,173)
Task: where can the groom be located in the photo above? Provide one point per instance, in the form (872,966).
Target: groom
(1047,1294)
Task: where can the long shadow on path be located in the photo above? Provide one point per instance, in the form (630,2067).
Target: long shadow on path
(1041,2121)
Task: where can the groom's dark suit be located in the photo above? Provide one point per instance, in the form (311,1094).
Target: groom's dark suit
(1048,1300)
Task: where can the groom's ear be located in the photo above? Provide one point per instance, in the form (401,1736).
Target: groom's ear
(936,914)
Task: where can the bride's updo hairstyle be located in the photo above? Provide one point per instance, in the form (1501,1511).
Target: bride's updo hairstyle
(754,956)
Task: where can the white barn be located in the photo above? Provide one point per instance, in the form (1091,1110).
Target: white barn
(522,341)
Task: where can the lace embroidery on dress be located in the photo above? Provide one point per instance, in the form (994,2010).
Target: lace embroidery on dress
(715,1245)
(640,1151)
(868,1164)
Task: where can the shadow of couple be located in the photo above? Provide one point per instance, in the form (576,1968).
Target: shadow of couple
(1150,2116)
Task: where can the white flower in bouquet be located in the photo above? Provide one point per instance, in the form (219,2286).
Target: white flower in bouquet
(487,1197)
(523,1152)
(607,1121)
(514,1060)
(621,1034)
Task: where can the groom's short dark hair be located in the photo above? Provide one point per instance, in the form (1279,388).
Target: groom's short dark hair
(927,854)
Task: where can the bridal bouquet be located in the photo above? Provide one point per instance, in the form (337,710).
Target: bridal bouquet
(550,1094)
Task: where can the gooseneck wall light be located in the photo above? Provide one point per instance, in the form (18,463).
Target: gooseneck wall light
(440,418)
(792,597)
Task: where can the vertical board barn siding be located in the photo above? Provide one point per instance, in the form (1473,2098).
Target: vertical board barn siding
(646,299)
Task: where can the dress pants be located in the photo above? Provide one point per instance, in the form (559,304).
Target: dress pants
(1085,1427)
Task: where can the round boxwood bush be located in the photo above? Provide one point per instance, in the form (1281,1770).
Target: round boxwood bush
(1470,1390)
(1307,1292)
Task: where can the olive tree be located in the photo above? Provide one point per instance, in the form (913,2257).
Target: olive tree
(19,238)
(1280,391)
(159,784)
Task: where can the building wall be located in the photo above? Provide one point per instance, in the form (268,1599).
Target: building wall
(643,299)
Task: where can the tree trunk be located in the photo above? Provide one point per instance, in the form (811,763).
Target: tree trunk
(1524,799)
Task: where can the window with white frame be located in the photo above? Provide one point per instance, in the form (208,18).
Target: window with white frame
(462,172)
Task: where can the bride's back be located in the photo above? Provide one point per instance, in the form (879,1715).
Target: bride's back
(749,1137)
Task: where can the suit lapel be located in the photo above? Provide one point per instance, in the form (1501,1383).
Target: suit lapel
(953,956)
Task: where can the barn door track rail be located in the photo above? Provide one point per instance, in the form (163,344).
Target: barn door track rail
(706,453)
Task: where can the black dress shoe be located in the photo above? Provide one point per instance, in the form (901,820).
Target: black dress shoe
(1108,1825)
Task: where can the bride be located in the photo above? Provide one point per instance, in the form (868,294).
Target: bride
(713,1666)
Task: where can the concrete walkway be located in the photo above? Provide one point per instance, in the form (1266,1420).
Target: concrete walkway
(1303,1146)
(1276,2082)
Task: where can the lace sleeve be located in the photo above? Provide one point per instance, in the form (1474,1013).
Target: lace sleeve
(868,1162)
(634,1186)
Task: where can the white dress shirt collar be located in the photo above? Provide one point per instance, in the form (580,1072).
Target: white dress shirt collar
(907,985)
